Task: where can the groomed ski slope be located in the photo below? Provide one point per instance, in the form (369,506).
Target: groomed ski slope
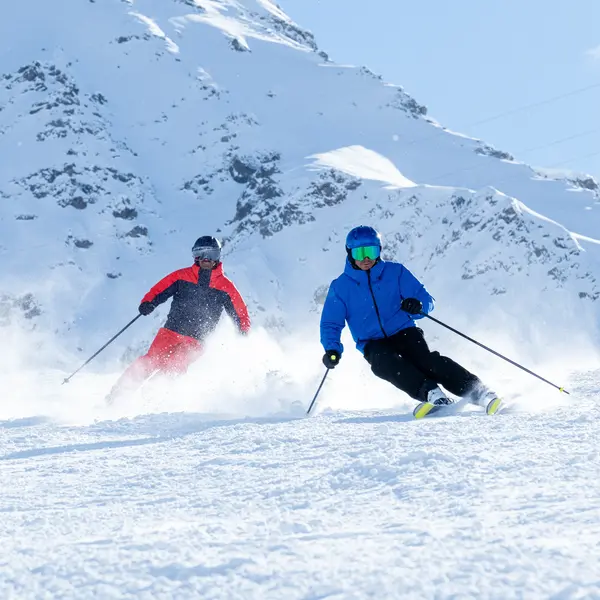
(342,505)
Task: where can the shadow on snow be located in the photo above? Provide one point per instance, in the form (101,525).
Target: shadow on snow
(156,429)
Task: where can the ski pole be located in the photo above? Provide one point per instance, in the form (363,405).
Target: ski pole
(318,390)
(512,362)
(112,339)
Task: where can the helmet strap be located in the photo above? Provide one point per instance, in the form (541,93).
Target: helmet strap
(352,261)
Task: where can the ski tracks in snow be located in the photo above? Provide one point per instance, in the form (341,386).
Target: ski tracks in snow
(343,505)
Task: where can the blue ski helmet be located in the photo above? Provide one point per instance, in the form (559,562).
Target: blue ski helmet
(363,236)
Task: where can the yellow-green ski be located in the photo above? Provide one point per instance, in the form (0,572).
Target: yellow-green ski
(424,409)
(493,406)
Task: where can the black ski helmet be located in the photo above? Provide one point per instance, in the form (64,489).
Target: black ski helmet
(207,246)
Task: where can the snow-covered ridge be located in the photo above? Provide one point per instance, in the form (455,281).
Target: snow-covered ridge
(123,142)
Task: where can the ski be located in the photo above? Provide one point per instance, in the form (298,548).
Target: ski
(494,406)
(425,409)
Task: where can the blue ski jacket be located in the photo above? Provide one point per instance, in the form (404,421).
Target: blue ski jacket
(369,301)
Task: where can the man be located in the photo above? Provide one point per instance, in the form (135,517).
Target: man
(380,301)
(200,294)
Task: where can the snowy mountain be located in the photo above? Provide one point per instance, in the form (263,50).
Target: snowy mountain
(124,141)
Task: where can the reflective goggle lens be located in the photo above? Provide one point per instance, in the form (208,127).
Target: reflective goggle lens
(207,254)
(363,252)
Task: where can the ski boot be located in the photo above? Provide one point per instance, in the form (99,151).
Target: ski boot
(486,398)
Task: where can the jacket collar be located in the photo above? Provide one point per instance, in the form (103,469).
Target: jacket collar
(361,276)
(215,273)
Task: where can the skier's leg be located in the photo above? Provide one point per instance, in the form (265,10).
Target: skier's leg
(182,356)
(141,368)
(387,364)
(411,344)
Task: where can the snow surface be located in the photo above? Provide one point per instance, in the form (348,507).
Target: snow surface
(128,129)
(352,505)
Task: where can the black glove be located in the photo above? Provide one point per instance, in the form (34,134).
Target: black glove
(412,306)
(331,358)
(146,308)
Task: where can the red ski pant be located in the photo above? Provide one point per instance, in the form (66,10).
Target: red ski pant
(170,352)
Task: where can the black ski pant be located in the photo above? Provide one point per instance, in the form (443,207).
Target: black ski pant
(405,360)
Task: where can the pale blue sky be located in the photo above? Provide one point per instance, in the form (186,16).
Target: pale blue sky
(468,60)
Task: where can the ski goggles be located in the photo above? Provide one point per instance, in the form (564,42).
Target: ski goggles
(363,252)
(207,253)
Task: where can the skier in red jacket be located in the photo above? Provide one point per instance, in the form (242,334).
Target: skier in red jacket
(200,294)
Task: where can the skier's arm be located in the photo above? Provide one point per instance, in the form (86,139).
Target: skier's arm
(235,307)
(163,290)
(411,287)
(333,320)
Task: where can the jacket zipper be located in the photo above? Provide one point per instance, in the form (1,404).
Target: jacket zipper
(375,304)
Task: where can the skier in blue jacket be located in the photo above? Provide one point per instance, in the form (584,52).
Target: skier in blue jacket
(380,301)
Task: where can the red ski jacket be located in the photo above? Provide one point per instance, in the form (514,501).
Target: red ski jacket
(199,298)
